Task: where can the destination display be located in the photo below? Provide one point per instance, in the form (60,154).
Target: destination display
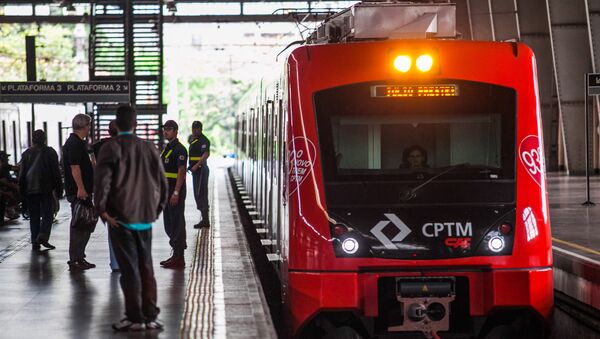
(411,91)
(62,92)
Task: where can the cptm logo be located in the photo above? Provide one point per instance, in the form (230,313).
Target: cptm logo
(377,231)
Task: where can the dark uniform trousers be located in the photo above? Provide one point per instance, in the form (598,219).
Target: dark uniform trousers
(133,250)
(200,182)
(78,238)
(174,220)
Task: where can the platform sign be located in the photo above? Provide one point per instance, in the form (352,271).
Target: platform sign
(61,92)
(593,84)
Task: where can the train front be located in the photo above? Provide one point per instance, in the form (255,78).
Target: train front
(417,193)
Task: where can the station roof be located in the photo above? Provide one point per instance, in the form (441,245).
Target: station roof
(224,11)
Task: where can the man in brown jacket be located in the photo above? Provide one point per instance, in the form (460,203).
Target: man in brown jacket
(130,192)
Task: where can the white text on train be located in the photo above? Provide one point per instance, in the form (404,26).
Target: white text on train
(450,229)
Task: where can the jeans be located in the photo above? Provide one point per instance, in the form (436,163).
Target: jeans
(133,250)
(41,208)
(114,265)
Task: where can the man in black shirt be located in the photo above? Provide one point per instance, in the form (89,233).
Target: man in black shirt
(79,184)
(174,158)
(199,153)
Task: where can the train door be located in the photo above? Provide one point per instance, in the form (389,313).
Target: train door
(267,165)
(277,199)
(237,138)
(261,157)
(257,158)
(272,186)
(253,143)
(242,158)
(243,147)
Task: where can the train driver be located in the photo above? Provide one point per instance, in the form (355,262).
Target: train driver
(414,158)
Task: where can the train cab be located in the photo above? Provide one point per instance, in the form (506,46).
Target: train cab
(413,200)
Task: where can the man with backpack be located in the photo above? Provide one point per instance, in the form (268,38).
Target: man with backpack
(39,178)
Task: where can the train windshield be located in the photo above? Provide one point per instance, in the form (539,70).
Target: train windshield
(421,137)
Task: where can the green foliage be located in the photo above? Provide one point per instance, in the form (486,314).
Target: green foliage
(59,58)
(55,52)
(213,101)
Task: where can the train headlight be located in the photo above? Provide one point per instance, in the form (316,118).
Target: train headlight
(424,63)
(496,244)
(402,63)
(350,245)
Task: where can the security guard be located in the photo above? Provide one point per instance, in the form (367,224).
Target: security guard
(174,157)
(199,153)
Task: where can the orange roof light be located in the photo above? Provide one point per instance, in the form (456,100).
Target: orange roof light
(403,63)
(424,63)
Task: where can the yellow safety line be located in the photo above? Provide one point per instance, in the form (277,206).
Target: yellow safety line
(198,315)
(579,247)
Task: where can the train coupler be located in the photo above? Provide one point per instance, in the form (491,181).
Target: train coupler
(425,305)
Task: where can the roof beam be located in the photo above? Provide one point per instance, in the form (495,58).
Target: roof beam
(42,2)
(291,17)
(74,19)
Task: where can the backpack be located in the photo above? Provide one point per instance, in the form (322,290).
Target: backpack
(35,174)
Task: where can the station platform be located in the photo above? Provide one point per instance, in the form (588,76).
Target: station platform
(576,237)
(217,295)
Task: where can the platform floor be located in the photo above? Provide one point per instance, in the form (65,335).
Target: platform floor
(575,227)
(217,295)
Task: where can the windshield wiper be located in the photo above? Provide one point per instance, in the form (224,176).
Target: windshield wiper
(410,193)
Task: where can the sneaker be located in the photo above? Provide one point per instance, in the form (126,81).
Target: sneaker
(198,225)
(155,325)
(88,264)
(47,245)
(164,262)
(176,262)
(127,325)
(77,266)
(204,224)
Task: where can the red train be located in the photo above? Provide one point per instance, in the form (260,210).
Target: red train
(402,182)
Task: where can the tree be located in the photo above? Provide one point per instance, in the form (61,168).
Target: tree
(56,50)
(213,101)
